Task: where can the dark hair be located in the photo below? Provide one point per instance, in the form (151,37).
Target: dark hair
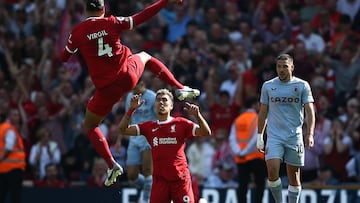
(224,93)
(345,19)
(94,5)
(250,101)
(285,57)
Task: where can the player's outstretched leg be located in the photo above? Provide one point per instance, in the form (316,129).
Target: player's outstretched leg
(187,92)
(162,72)
(113,173)
(101,145)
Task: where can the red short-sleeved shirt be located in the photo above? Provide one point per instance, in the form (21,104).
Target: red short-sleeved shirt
(97,40)
(167,140)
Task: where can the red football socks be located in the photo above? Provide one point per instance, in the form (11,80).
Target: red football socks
(100,144)
(162,72)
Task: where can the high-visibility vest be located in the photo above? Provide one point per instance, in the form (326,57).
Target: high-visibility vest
(16,157)
(246,125)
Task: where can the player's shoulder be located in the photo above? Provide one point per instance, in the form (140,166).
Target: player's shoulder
(182,120)
(112,18)
(299,81)
(271,81)
(79,27)
(149,123)
(100,20)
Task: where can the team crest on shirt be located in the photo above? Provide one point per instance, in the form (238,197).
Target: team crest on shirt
(155,141)
(296,89)
(172,128)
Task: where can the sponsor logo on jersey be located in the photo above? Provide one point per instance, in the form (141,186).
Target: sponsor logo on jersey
(164,141)
(285,99)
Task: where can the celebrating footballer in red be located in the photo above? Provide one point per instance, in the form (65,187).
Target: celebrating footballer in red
(167,136)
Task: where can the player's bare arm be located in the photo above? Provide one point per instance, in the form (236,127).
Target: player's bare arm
(262,119)
(310,120)
(204,129)
(124,126)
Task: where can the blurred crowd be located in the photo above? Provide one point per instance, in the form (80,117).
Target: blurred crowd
(225,48)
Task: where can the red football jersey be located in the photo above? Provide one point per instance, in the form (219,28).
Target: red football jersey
(223,117)
(97,41)
(167,140)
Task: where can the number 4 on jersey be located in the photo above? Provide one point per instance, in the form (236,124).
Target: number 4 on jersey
(104,48)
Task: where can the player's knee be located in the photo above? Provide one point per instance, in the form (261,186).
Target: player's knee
(147,171)
(87,125)
(273,173)
(144,56)
(132,175)
(90,123)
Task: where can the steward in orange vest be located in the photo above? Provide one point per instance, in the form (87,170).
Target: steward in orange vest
(14,159)
(245,128)
(250,162)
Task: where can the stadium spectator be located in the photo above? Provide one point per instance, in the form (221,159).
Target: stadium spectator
(222,177)
(314,43)
(337,146)
(326,21)
(279,27)
(223,152)
(45,151)
(199,154)
(98,174)
(12,158)
(222,110)
(52,178)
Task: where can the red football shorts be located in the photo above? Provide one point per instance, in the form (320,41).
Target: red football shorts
(102,101)
(178,191)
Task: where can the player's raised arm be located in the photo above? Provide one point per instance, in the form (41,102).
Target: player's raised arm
(204,129)
(149,11)
(67,52)
(124,126)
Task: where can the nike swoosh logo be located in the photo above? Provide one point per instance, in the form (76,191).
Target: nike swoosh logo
(154,129)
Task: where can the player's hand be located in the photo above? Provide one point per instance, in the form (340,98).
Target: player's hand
(260,145)
(309,141)
(135,101)
(191,109)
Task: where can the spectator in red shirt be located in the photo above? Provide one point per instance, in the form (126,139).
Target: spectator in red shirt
(344,37)
(98,173)
(222,110)
(52,178)
(327,20)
